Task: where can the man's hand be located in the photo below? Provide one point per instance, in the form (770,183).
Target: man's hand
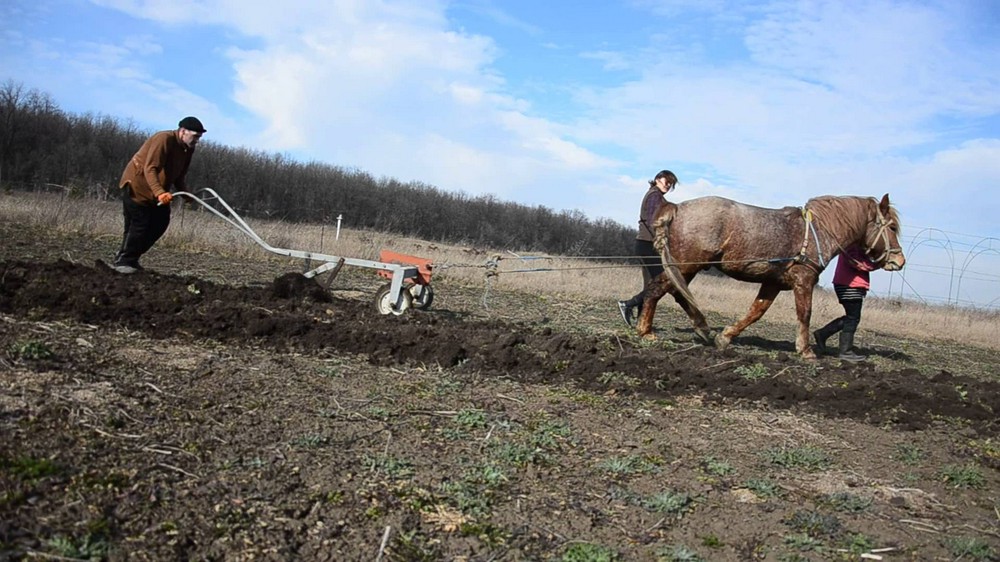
(165,198)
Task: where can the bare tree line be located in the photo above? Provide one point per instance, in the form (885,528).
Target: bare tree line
(41,145)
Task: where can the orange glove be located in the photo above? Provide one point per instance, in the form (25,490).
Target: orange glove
(165,198)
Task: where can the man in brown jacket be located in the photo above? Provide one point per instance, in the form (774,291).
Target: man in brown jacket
(161,164)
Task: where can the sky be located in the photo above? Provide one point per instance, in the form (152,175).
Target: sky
(575,105)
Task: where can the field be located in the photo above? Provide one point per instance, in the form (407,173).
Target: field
(219,406)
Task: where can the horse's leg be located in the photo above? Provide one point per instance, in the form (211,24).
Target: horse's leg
(652,294)
(803,309)
(765,296)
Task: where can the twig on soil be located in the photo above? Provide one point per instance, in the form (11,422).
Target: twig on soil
(153,386)
(124,414)
(160,451)
(778,374)
(385,540)
(168,450)
(106,434)
(512,399)
(176,469)
(921,525)
(487,438)
(719,364)
(689,348)
(620,346)
(655,525)
(983,531)
(36,554)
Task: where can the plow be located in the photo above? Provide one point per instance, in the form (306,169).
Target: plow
(409,277)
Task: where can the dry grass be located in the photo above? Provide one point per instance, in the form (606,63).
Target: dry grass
(598,280)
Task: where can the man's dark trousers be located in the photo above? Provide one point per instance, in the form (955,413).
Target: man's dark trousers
(144,225)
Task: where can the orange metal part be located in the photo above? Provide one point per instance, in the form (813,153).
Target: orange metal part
(423,265)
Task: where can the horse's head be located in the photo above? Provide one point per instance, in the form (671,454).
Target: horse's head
(882,237)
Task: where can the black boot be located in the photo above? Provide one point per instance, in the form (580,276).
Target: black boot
(825,332)
(847,347)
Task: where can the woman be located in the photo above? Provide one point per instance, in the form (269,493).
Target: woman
(649,258)
(850,281)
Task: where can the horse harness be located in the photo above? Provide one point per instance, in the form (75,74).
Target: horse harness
(881,222)
(883,225)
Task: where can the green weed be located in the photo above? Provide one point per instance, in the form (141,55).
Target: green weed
(398,469)
(814,524)
(31,350)
(378,413)
(29,468)
(970,548)
(90,547)
(471,419)
(548,433)
(764,488)
(413,546)
(909,454)
(519,454)
(803,542)
(310,441)
(669,502)
(712,541)
(630,464)
(857,543)
(967,476)
(619,379)
(753,372)
(589,552)
(808,458)
(717,468)
(846,501)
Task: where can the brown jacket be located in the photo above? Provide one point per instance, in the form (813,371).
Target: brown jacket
(161,163)
(651,203)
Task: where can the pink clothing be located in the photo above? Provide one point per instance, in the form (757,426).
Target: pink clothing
(852,269)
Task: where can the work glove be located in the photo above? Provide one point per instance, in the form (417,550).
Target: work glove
(165,198)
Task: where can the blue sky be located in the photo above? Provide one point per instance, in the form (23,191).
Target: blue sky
(574,105)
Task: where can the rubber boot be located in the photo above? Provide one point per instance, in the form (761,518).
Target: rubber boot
(847,347)
(825,332)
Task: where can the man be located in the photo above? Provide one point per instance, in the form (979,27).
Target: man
(161,164)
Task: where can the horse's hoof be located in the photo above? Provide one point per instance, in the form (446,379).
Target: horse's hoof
(705,335)
(722,342)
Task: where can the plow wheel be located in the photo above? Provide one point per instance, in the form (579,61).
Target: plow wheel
(384,304)
(423,296)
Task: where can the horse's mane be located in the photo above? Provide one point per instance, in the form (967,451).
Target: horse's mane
(836,211)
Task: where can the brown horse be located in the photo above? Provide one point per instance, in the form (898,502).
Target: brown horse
(782,249)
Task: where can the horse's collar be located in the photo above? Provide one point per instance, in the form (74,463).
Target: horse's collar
(803,257)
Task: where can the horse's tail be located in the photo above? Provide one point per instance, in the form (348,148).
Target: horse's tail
(661,231)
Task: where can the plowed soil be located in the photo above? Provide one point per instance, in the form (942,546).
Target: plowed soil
(207,409)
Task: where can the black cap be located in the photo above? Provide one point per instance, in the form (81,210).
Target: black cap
(191,124)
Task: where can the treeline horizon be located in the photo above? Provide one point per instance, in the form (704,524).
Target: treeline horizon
(42,146)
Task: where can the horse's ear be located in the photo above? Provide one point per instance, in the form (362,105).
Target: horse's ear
(884,203)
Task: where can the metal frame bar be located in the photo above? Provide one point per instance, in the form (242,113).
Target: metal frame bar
(399,272)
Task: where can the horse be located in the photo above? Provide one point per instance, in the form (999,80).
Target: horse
(782,249)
